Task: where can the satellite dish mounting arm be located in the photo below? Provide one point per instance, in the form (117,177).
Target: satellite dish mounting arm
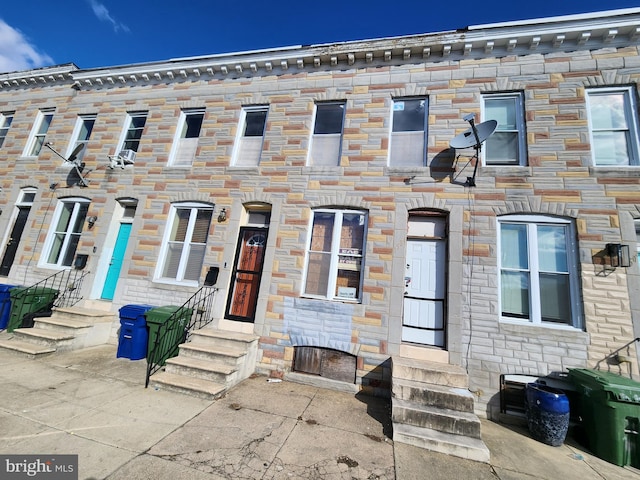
(471,181)
(473,137)
(72,160)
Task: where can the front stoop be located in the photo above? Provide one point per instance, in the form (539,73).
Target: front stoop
(432,408)
(209,364)
(66,329)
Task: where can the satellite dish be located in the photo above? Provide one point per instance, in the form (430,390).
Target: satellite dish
(469,139)
(74,155)
(78,166)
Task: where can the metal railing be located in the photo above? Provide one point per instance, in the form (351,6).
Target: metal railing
(614,358)
(166,336)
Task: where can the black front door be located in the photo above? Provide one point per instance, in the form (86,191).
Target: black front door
(14,241)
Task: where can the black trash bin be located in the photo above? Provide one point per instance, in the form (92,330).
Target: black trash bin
(547,410)
(133,338)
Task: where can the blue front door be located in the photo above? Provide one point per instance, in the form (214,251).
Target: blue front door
(116,262)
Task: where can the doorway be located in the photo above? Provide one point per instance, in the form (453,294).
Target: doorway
(23,206)
(424,314)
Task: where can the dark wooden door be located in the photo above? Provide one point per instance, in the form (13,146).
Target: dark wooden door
(246,275)
(14,240)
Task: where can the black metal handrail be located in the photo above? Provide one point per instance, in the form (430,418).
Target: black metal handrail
(194,314)
(614,358)
(65,287)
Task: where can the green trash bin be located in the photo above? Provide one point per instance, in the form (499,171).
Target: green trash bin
(27,303)
(165,335)
(609,407)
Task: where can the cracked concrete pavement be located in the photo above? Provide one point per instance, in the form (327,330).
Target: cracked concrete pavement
(92,404)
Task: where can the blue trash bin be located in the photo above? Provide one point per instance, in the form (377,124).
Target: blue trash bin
(547,410)
(5,304)
(133,338)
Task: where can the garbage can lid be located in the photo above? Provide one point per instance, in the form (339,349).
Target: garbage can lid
(5,288)
(621,388)
(161,314)
(133,310)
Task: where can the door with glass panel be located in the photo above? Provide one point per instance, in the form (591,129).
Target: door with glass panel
(246,275)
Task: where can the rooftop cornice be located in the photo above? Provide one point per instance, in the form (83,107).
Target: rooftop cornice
(56,74)
(615,28)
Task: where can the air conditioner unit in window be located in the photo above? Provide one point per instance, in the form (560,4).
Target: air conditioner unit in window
(127,156)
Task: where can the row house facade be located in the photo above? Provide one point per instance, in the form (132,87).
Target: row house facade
(321,182)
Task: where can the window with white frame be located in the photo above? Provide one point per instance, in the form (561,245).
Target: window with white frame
(408,132)
(637,225)
(134,126)
(250,136)
(326,140)
(64,235)
(5,122)
(184,243)
(507,145)
(38,133)
(538,270)
(81,134)
(185,142)
(335,254)
(613,124)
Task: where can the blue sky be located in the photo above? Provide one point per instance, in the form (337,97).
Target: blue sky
(100,33)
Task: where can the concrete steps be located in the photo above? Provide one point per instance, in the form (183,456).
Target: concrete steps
(432,408)
(209,364)
(66,329)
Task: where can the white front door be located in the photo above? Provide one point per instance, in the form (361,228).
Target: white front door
(424,298)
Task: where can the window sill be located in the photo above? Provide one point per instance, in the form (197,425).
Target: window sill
(630,171)
(336,300)
(169,283)
(571,333)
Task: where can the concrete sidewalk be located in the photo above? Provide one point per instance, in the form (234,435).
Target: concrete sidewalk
(92,404)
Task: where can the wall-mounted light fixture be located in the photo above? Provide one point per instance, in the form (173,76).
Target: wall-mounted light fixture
(618,255)
(222,216)
(92,220)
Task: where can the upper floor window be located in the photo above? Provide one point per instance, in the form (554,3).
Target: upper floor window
(326,140)
(539,279)
(335,254)
(408,132)
(38,133)
(250,136)
(185,242)
(5,122)
(507,145)
(134,126)
(81,134)
(64,235)
(613,124)
(185,143)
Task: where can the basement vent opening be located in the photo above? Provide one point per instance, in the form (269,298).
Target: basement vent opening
(325,362)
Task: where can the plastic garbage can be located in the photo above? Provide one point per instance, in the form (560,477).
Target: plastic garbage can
(28,303)
(5,304)
(547,410)
(167,329)
(609,408)
(133,338)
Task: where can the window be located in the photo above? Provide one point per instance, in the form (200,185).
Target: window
(5,123)
(507,145)
(250,136)
(408,133)
(538,270)
(185,243)
(133,131)
(64,236)
(327,135)
(185,143)
(38,133)
(613,125)
(335,255)
(81,134)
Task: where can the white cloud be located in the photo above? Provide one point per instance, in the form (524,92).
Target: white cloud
(16,53)
(103,14)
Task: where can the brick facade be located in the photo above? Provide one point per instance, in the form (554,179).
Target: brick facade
(558,180)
